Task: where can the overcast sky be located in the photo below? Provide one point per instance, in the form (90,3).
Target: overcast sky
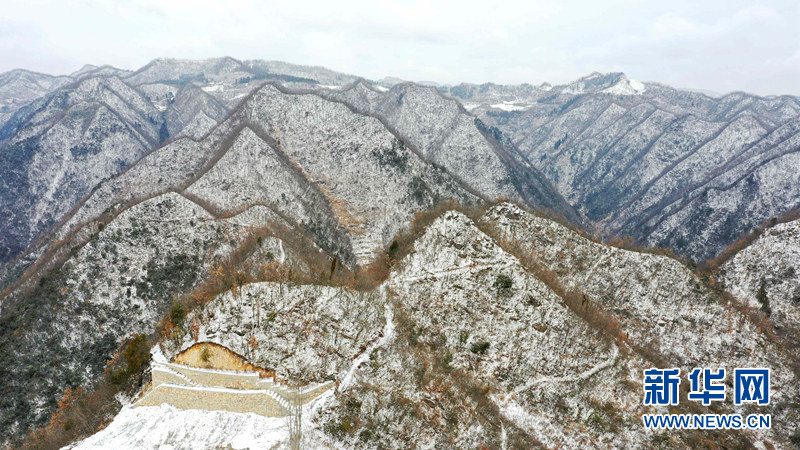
(719,45)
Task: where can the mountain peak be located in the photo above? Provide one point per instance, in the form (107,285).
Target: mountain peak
(86,68)
(615,83)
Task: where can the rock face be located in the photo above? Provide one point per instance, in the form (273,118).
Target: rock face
(670,168)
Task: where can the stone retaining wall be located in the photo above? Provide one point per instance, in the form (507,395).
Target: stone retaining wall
(186,397)
(189,388)
(161,376)
(244,380)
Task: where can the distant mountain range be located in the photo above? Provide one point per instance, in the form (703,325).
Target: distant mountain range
(670,168)
(634,159)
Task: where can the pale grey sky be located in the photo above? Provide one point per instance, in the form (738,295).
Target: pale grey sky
(719,45)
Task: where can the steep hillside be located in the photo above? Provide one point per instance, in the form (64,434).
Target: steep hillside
(122,282)
(670,168)
(476,339)
(766,275)
(445,134)
(192,112)
(61,147)
(20,87)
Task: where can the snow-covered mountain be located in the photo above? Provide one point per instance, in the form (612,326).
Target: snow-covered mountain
(20,87)
(61,146)
(309,221)
(636,159)
(440,354)
(766,275)
(671,168)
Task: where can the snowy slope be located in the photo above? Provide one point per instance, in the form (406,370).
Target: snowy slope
(671,168)
(773,261)
(78,137)
(439,356)
(304,176)
(20,87)
(167,427)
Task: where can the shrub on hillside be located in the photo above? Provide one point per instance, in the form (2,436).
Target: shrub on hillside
(762,298)
(503,284)
(136,355)
(480,348)
(177,314)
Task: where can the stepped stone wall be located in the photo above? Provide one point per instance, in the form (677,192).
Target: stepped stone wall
(243,380)
(161,376)
(224,390)
(234,400)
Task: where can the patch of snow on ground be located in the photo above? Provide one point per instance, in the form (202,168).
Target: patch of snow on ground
(544,430)
(574,88)
(213,88)
(388,334)
(626,87)
(168,427)
(509,106)
(638,86)
(156,355)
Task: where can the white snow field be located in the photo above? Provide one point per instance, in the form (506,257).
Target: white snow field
(166,427)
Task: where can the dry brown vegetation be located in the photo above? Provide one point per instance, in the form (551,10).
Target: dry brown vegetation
(81,413)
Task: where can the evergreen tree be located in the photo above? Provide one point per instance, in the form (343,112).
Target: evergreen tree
(163,133)
(762,298)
